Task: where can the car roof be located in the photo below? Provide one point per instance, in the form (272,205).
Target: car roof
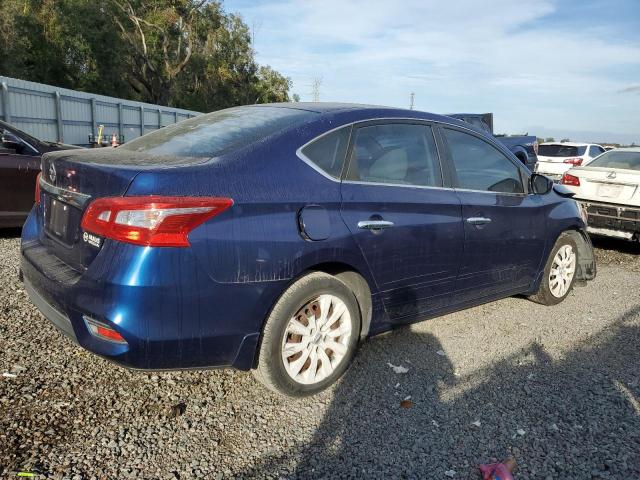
(360,111)
(569,144)
(627,149)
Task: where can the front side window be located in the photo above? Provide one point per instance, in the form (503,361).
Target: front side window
(399,154)
(481,166)
(328,152)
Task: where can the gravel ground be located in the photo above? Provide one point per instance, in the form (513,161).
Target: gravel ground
(558,388)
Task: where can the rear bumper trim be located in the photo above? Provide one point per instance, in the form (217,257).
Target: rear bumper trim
(59,320)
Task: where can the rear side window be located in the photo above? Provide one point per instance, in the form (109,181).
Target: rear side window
(618,159)
(399,154)
(218,132)
(595,150)
(328,152)
(561,150)
(481,166)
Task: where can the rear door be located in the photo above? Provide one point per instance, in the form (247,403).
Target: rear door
(406,224)
(504,226)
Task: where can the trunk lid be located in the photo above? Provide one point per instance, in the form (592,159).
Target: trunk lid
(71,179)
(608,185)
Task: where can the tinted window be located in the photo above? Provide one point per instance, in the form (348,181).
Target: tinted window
(618,159)
(400,154)
(328,151)
(595,151)
(481,166)
(218,132)
(561,151)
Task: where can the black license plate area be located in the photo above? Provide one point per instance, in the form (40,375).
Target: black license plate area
(61,220)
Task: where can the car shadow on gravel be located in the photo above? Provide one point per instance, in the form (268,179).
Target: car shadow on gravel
(574,417)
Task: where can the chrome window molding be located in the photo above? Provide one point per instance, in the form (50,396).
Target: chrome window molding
(420,121)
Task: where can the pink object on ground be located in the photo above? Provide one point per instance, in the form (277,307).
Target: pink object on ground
(498,471)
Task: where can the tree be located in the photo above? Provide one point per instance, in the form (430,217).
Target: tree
(550,139)
(186,52)
(182,53)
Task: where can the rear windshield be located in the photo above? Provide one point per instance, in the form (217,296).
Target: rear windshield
(618,159)
(216,133)
(561,151)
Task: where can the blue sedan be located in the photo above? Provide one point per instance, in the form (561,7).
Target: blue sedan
(274,238)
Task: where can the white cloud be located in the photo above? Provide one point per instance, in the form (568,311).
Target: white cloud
(457,55)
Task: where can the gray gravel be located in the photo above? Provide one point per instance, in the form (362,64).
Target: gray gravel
(559,388)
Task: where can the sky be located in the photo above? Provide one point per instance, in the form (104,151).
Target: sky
(552,68)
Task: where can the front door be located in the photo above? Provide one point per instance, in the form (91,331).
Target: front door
(504,226)
(407,226)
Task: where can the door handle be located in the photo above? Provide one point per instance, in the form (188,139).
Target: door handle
(478,220)
(374,224)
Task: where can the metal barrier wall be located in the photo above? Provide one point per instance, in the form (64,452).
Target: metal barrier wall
(69,116)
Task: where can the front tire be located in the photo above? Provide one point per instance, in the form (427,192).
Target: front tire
(559,272)
(310,336)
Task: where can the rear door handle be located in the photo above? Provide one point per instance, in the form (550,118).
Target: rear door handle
(478,220)
(374,224)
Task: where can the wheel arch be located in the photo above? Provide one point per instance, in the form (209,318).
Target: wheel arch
(357,283)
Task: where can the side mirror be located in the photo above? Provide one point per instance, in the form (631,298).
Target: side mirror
(540,185)
(11,142)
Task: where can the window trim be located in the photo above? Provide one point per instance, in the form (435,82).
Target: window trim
(443,151)
(393,121)
(313,165)
(524,177)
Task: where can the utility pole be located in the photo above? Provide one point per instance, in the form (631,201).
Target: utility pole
(412,97)
(315,88)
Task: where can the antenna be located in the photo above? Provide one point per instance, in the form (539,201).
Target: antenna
(412,97)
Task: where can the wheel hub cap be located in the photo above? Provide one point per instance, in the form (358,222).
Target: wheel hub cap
(316,339)
(562,271)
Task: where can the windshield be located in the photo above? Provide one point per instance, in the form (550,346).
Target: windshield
(618,159)
(561,151)
(216,133)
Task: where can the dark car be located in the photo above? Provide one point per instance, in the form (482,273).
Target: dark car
(524,147)
(19,166)
(276,237)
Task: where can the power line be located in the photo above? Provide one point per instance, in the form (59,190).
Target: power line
(315,88)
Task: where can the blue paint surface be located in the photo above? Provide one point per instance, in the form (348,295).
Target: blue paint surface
(205,305)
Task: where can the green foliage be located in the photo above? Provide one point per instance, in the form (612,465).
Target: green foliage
(182,53)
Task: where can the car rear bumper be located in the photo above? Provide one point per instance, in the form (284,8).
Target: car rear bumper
(195,323)
(612,220)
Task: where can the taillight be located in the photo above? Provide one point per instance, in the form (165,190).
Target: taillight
(574,161)
(570,180)
(151,221)
(37,195)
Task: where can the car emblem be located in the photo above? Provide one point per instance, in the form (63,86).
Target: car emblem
(612,175)
(52,172)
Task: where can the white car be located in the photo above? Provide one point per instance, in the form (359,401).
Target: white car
(554,159)
(608,187)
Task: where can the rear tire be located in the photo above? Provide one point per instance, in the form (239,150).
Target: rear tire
(559,272)
(310,337)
